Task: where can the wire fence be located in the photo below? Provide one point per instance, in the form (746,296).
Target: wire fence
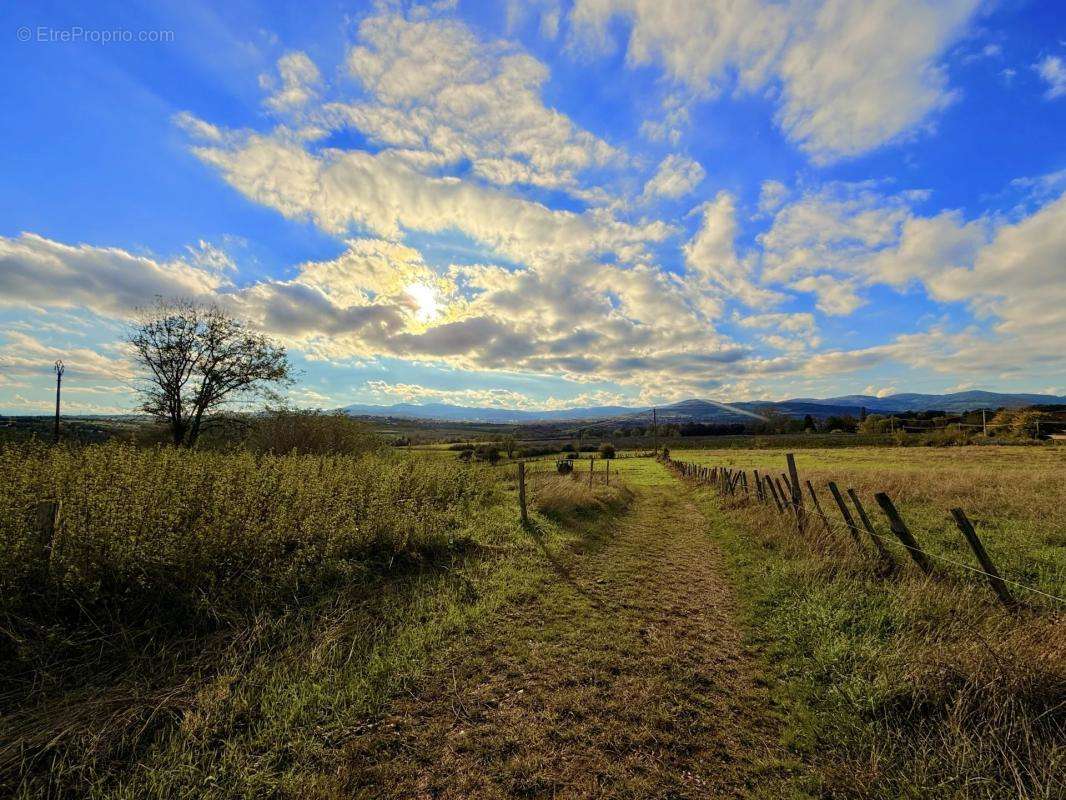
(786,497)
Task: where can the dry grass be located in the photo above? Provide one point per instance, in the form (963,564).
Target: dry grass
(563,497)
(916,687)
(176,575)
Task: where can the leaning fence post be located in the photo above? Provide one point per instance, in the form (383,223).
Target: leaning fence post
(899,528)
(869,526)
(773,493)
(784,495)
(818,508)
(522,492)
(852,528)
(994,578)
(797,493)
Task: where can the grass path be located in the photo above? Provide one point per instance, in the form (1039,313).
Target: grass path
(619,673)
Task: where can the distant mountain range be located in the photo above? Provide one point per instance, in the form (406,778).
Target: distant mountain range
(712,411)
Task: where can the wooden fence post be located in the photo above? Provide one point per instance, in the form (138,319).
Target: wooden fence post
(994,578)
(758,485)
(522,492)
(607,477)
(900,529)
(818,508)
(781,483)
(797,492)
(852,528)
(773,493)
(592,466)
(46,515)
(869,527)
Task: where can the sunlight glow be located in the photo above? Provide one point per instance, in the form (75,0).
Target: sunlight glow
(427,307)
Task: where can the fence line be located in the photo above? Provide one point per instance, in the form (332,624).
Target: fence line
(724,479)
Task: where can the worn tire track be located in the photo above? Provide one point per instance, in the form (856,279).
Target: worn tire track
(623,675)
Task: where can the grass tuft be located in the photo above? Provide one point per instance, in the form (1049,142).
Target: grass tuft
(565,497)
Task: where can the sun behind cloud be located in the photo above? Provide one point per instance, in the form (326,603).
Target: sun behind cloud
(427,304)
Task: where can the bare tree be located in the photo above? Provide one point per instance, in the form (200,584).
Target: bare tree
(197,358)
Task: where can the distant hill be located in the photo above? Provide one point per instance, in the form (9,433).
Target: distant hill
(697,410)
(955,402)
(452,413)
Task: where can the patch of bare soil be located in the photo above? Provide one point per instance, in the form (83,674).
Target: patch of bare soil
(621,675)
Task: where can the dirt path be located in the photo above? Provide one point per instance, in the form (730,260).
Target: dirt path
(622,675)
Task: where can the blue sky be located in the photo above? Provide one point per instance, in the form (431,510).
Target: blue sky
(546,203)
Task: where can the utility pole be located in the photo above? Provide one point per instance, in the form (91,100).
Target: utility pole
(59,383)
(654,430)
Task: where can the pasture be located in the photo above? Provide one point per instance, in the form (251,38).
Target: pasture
(231,623)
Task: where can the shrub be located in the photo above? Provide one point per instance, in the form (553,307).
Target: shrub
(285,431)
(606,450)
(564,467)
(204,531)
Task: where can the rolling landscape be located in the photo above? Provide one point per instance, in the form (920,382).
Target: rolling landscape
(571,399)
(713,411)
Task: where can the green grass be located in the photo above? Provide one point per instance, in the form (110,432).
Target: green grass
(312,601)
(895,686)
(220,616)
(1015,496)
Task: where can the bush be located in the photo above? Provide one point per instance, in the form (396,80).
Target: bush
(564,467)
(487,452)
(606,450)
(169,529)
(311,433)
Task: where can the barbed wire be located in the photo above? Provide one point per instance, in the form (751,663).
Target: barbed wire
(895,543)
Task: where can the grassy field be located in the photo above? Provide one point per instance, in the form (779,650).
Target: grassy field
(222,624)
(193,598)
(1016,497)
(895,685)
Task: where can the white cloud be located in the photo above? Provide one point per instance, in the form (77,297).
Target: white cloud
(23,354)
(42,272)
(296,84)
(676,176)
(852,76)
(771,195)
(1017,278)
(711,255)
(438,91)
(836,296)
(1053,71)
(884,391)
(487,398)
(380,193)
